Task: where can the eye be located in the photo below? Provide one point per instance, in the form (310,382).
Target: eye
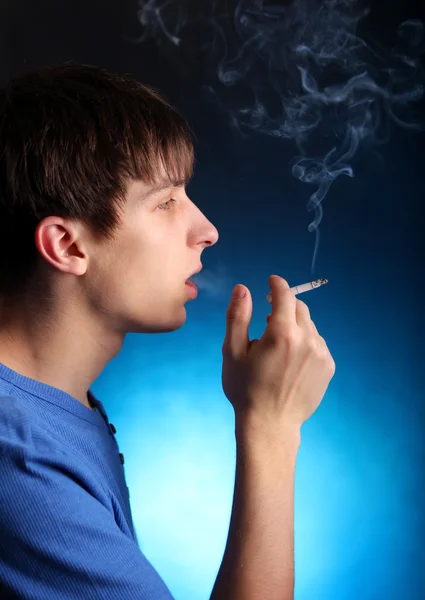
(167,205)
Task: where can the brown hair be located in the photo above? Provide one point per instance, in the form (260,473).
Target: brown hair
(72,137)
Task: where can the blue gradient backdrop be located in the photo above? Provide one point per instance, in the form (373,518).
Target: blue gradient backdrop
(359,497)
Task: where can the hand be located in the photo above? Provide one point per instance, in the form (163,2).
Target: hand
(281,378)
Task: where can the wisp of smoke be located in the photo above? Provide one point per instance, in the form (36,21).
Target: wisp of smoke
(312,78)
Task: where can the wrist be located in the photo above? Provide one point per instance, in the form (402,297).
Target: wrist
(265,431)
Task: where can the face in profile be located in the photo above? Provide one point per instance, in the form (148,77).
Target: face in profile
(137,282)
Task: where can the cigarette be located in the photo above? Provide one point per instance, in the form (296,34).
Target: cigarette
(304,287)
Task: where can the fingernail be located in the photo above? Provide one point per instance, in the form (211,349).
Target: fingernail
(239,292)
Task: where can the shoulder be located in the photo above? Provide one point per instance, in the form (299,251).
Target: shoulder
(36,464)
(33,452)
(21,427)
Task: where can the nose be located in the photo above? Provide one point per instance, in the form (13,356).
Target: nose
(210,234)
(213,234)
(204,231)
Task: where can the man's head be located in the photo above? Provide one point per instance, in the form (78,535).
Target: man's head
(81,153)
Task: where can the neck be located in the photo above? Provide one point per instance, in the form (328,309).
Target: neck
(65,350)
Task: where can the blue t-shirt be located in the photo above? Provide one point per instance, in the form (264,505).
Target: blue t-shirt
(66,530)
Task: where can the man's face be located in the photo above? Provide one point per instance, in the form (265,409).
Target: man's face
(139,285)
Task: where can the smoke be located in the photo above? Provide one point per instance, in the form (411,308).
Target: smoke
(305,75)
(215,284)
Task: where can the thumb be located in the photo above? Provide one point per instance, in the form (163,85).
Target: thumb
(238,318)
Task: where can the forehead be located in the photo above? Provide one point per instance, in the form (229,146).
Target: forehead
(177,174)
(140,191)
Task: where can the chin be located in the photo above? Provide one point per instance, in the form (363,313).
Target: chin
(160,325)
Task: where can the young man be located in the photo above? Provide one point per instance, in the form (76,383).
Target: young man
(98,239)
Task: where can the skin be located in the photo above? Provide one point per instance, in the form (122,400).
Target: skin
(74,319)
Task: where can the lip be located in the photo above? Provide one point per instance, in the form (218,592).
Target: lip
(198,271)
(192,289)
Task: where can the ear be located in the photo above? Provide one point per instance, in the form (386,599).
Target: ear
(58,243)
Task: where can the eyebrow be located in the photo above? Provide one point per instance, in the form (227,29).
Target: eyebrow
(165,185)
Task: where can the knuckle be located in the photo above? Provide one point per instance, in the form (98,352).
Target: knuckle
(332,365)
(311,345)
(284,333)
(322,349)
(290,335)
(326,356)
(302,306)
(226,347)
(330,369)
(228,353)
(323,346)
(235,317)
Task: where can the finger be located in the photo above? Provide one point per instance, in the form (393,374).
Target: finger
(238,317)
(283,302)
(314,328)
(322,341)
(303,317)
